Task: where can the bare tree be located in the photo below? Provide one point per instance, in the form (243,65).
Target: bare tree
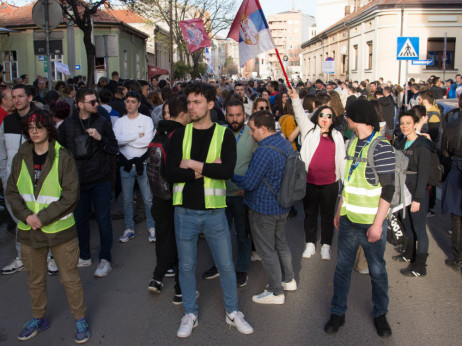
(81,13)
(216,14)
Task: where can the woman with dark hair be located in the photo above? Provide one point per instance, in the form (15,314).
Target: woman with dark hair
(418,149)
(323,152)
(60,110)
(282,105)
(285,116)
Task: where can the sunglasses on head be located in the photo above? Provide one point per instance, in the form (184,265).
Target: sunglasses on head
(264,108)
(328,116)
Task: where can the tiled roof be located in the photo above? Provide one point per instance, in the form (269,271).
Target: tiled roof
(126,16)
(7,8)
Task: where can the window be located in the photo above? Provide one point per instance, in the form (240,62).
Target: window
(125,64)
(369,55)
(56,75)
(355,55)
(333,55)
(138,67)
(435,52)
(344,63)
(10,65)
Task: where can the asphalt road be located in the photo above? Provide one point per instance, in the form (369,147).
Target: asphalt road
(121,311)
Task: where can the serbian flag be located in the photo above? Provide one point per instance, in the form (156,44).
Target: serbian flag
(251,30)
(194,34)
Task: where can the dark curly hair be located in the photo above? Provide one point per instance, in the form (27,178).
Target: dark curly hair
(40,119)
(335,121)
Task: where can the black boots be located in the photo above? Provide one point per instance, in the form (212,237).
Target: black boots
(417,268)
(382,326)
(335,322)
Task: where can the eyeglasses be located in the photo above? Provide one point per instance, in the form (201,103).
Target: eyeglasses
(34,128)
(264,108)
(328,116)
(92,102)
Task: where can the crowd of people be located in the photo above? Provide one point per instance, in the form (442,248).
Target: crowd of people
(202,156)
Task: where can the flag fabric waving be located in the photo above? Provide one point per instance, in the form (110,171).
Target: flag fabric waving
(194,34)
(251,31)
(208,58)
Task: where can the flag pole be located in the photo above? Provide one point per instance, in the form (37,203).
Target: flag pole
(282,66)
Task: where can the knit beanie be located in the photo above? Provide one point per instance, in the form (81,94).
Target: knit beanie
(363,112)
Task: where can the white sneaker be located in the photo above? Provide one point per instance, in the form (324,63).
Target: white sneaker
(52,268)
(188,322)
(84,263)
(128,234)
(325,252)
(236,319)
(255,257)
(152,235)
(364,271)
(103,268)
(289,286)
(15,266)
(267,297)
(310,250)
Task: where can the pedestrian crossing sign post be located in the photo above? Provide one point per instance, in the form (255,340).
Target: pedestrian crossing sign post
(408,48)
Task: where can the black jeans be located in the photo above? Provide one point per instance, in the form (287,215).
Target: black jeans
(163,213)
(321,197)
(456,237)
(415,227)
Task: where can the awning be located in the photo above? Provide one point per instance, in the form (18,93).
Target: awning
(156,71)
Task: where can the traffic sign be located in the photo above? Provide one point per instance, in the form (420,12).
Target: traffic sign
(408,48)
(422,62)
(77,67)
(328,66)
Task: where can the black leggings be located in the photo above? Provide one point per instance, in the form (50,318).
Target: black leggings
(415,227)
(321,197)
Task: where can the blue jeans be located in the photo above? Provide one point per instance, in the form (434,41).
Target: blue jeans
(189,223)
(235,211)
(99,195)
(350,236)
(128,182)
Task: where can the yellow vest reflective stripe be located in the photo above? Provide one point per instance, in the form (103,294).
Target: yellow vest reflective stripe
(214,189)
(49,193)
(360,198)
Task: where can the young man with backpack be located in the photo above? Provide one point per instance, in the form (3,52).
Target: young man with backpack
(261,184)
(361,216)
(162,209)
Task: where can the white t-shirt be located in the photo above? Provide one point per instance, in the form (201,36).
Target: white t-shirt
(127,132)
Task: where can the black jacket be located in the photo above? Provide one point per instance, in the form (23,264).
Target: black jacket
(419,154)
(94,169)
(388,111)
(119,105)
(451,144)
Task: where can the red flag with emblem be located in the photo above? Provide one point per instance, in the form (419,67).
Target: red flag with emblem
(194,34)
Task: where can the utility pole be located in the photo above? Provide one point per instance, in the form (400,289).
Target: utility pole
(170,10)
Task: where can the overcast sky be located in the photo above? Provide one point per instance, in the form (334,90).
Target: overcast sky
(268,6)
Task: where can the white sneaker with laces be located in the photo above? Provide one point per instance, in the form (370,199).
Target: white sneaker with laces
(103,268)
(255,256)
(325,252)
(128,234)
(310,250)
(15,265)
(289,286)
(267,297)
(84,262)
(52,268)
(152,235)
(236,319)
(188,322)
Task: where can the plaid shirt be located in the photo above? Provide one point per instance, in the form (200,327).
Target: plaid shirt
(268,163)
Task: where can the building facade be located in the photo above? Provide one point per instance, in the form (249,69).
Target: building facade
(364,43)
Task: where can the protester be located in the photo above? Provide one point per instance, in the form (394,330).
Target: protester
(45,169)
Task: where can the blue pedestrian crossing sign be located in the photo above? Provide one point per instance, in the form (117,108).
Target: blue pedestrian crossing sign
(408,48)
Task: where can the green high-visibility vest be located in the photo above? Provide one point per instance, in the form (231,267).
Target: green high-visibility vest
(49,193)
(214,189)
(360,198)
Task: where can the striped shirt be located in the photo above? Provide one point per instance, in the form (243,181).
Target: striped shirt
(384,159)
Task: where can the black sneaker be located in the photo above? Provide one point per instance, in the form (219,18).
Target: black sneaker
(170,273)
(212,273)
(241,279)
(155,286)
(382,326)
(401,258)
(431,212)
(335,322)
(454,265)
(178,298)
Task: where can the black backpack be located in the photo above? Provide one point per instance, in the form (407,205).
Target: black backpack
(293,184)
(155,167)
(436,168)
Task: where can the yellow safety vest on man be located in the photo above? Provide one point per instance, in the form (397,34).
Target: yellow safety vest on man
(360,198)
(214,189)
(49,193)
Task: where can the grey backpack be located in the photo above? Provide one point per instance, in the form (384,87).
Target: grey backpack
(293,184)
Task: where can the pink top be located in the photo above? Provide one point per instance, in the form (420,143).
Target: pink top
(322,166)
